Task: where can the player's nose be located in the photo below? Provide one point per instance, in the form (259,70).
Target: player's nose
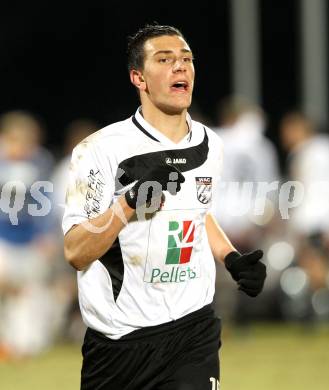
(179,65)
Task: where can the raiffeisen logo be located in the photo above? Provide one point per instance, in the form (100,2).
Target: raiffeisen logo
(179,252)
(180,242)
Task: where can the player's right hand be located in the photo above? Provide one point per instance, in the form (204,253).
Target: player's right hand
(164,177)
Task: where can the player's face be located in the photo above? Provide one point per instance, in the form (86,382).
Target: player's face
(168,73)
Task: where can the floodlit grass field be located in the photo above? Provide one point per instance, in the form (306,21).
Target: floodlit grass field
(257,358)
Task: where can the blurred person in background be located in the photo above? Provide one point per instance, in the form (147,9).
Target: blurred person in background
(308,165)
(249,158)
(69,324)
(25,240)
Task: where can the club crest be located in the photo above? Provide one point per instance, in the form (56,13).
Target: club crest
(203,189)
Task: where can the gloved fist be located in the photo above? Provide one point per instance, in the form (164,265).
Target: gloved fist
(247,271)
(165,177)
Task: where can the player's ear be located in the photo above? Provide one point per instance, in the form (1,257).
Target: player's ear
(136,77)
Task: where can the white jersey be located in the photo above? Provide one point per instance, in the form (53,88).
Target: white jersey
(161,267)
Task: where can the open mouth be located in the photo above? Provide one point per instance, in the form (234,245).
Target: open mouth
(181,86)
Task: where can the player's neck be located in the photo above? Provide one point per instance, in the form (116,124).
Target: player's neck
(172,126)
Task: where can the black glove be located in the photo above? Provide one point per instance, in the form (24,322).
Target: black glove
(169,178)
(247,271)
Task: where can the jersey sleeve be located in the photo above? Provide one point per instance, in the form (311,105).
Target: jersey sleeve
(90,186)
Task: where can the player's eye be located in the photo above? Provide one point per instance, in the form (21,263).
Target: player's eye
(165,60)
(188,59)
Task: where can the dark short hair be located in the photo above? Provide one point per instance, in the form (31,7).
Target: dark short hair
(135,51)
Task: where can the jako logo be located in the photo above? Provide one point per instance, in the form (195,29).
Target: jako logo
(175,160)
(180,242)
(179,161)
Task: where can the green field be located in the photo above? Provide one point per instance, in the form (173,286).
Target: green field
(256,358)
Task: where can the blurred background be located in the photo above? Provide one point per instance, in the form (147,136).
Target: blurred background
(261,84)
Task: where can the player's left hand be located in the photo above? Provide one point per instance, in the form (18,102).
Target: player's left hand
(247,271)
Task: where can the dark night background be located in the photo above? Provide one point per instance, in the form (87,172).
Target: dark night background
(69,61)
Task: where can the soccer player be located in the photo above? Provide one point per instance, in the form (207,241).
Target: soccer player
(139,231)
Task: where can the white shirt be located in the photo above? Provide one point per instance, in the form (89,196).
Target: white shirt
(161,268)
(250,158)
(309,165)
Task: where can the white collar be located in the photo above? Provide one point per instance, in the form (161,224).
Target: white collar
(157,135)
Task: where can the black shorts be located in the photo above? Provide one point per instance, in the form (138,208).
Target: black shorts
(179,355)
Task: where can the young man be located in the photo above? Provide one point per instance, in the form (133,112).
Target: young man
(138,230)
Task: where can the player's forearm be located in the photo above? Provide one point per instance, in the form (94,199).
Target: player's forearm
(219,243)
(89,240)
